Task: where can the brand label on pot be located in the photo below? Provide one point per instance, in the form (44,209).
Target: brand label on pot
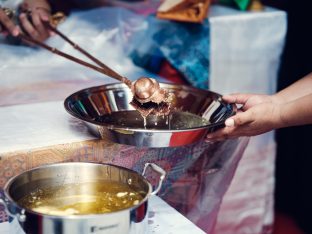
(110,223)
(102,229)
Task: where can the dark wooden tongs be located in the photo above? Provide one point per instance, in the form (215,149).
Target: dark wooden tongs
(148,97)
(104,69)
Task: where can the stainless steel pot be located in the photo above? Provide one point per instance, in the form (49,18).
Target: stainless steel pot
(93,105)
(130,220)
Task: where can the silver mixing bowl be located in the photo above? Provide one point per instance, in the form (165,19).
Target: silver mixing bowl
(107,112)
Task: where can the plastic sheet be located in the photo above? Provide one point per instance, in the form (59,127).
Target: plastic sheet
(10,4)
(95,30)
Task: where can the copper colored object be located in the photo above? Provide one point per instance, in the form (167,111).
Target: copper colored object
(150,98)
(57,18)
(194,11)
(148,90)
(256,5)
(144,88)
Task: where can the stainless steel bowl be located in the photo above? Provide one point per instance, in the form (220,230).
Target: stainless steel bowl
(108,114)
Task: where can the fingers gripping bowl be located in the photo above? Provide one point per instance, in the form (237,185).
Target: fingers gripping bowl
(108,113)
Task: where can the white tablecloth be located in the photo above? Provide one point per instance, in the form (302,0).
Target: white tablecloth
(162,219)
(245,54)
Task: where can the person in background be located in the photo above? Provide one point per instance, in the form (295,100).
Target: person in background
(33,25)
(41,11)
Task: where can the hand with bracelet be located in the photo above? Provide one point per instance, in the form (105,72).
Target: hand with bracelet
(6,24)
(31,20)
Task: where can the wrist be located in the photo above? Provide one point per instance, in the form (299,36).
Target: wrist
(280,122)
(276,99)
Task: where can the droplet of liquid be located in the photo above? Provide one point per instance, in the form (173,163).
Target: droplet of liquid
(144,119)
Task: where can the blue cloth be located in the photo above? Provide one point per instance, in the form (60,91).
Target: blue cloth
(184,45)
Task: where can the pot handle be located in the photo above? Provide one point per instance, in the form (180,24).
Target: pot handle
(21,217)
(160,171)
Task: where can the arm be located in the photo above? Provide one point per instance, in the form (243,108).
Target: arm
(262,113)
(296,102)
(298,89)
(297,112)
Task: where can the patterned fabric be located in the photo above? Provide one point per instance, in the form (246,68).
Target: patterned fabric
(184,46)
(197,175)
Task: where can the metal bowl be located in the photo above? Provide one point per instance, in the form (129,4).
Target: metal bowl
(107,112)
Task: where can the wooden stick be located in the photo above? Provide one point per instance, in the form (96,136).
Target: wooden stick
(77,47)
(74,59)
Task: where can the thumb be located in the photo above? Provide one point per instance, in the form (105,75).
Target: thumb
(238,98)
(239,119)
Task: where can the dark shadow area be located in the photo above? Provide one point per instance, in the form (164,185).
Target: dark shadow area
(293,195)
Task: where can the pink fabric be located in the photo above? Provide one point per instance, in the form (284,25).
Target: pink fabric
(247,206)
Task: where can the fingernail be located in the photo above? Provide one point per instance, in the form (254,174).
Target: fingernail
(45,17)
(229,123)
(15,32)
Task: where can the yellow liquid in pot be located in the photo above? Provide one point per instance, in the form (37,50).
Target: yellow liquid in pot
(81,199)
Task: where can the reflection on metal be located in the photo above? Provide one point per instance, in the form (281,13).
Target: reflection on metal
(108,114)
(129,220)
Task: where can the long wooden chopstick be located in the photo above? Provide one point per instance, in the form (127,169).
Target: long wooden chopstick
(102,69)
(77,47)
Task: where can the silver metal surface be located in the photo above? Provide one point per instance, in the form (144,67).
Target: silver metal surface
(90,105)
(160,171)
(130,220)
